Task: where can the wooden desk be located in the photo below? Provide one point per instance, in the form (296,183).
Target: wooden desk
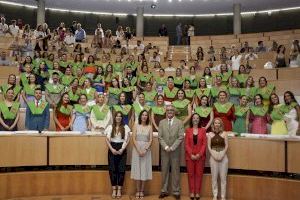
(256,154)
(23,150)
(293,152)
(77,150)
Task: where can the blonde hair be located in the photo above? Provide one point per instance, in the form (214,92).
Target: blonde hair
(221,124)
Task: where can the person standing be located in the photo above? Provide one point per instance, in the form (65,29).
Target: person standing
(37,113)
(141,162)
(117,141)
(179,33)
(170,136)
(163,31)
(195,153)
(217,142)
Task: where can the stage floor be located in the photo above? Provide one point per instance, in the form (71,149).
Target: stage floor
(102,197)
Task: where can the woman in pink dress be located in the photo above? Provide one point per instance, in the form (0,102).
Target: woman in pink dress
(258,116)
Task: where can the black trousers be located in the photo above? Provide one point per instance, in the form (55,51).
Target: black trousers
(117,165)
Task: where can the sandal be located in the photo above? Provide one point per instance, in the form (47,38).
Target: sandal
(137,195)
(119,193)
(141,194)
(114,194)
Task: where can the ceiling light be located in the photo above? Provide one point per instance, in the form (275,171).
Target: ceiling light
(170,1)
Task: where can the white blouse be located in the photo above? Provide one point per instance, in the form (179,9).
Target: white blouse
(118,136)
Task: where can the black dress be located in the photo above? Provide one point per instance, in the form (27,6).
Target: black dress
(8,122)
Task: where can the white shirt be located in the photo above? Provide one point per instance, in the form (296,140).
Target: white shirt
(101,32)
(250,56)
(69,39)
(191,31)
(100,123)
(156,59)
(3,29)
(140,47)
(236,62)
(118,136)
(14,30)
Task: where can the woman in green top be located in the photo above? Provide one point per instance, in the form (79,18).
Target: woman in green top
(208,76)
(205,112)
(77,64)
(242,76)
(265,90)
(189,93)
(158,112)
(193,78)
(183,107)
(234,91)
(138,106)
(55,69)
(203,90)
(225,74)
(12,83)
(125,108)
(217,88)
(277,112)
(108,76)
(129,90)
(98,82)
(28,90)
(250,90)
(178,79)
(88,90)
(144,77)
(242,114)
(80,76)
(160,81)
(67,78)
(150,94)
(118,67)
(74,91)
(113,92)
(24,75)
(9,110)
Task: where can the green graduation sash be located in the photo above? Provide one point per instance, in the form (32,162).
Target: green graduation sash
(81,80)
(203,111)
(74,96)
(208,79)
(98,79)
(24,79)
(178,80)
(223,108)
(100,111)
(118,67)
(194,81)
(266,91)
(137,108)
(225,76)
(158,110)
(67,79)
(17,89)
(37,110)
(241,111)
(161,80)
(215,90)
(128,89)
(133,65)
(30,91)
(234,91)
(170,94)
(60,74)
(277,112)
(133,81)
(52,90)
(125,109)
(242,78)
(66,110)
(150,96)
(91,94)
(189,93)
(114,91)
(145,77)
(288,108)
(83,110)
(63,64)
(200,92)
(49,64)
(12,113)
(180,104)
(107,79)
(259,110)
(250,93)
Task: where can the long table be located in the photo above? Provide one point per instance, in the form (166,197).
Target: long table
(263,154)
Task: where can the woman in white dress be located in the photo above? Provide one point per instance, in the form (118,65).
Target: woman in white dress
(292,113)
(100,115)
(141,162)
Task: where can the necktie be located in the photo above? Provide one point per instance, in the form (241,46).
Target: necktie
(170,123)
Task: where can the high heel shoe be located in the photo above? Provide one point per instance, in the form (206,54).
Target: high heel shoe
(114,193)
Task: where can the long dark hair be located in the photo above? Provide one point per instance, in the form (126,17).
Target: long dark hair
(292,97)
(191,121)
(271,106)
(140,117)
(61,101)
(121,127)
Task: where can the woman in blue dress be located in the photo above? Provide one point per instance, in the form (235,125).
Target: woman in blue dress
(124,108)
(81,115)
